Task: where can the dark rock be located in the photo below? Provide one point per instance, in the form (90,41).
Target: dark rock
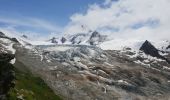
(2,34)
(63,40)
(15,40)
(95,34)
(24,36)
(127,48)
(168,47)
(96,38)
(53,40)
(6,57)
(46,52)
(75,39)
(6,75)
(149,49)
(140,58)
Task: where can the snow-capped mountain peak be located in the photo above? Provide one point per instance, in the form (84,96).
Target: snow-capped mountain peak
(90,38)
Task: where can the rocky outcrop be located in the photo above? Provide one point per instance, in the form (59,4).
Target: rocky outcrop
(91,38)
(96,38)
(2,35)
(6,57)
(78,38)
(63,40)
(168,47)
(151,50)
(6,74)
(53,40)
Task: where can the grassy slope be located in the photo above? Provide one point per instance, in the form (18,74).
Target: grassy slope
(30,87)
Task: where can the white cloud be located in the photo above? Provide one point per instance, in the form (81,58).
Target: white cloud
(12,32)
(31,26)
(120,18)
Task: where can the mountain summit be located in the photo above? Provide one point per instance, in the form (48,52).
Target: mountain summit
(149,49)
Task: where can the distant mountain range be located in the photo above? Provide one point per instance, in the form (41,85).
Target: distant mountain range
(92,38)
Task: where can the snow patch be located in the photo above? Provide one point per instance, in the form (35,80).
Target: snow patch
(165,67)
(118,44)
(13,61)
(122,81)
(8,45)
(141,63)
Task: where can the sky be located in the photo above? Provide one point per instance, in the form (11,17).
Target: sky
(120,19)
(40,16)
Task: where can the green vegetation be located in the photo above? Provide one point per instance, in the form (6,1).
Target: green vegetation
(30,87)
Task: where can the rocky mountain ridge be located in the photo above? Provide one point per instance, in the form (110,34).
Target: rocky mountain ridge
(91,38)
(87,72)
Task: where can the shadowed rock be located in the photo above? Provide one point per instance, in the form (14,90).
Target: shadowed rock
(168,47)
(53,40)
(76,39)
(6,57)
(151,50)
(96,38)
(6,75)
(2,34)
(63,39)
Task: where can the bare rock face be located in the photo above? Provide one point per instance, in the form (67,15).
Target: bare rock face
(91,38)
(53,40)
(149,49)
(2,34)
(63,40)
(14,40)
(78,38)
(96,38)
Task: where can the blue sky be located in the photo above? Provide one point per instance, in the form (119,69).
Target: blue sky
(55,12)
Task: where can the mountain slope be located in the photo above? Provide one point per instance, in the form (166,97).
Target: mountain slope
(27,86)
(89,72)
(77,70)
